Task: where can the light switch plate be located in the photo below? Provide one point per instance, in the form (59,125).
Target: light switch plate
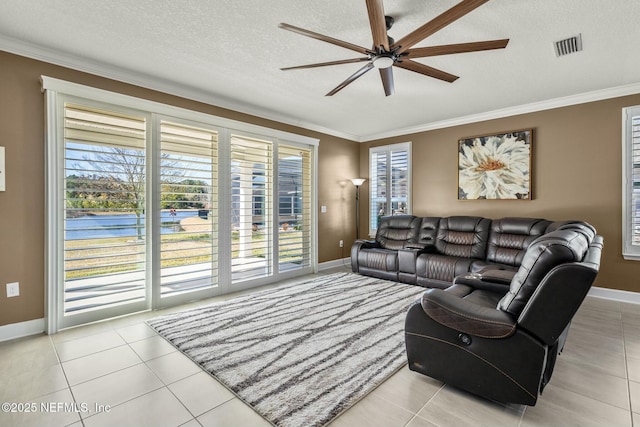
(2,170)
(13,289)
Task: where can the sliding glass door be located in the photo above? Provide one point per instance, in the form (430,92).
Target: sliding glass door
(148,210)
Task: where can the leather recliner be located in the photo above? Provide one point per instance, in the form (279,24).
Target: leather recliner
(379,257)
(460,241)
(504,346)
(509,238)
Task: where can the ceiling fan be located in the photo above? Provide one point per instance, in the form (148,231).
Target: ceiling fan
(386,52)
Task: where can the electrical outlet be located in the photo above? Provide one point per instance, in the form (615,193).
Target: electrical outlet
(342,243)
(13,289)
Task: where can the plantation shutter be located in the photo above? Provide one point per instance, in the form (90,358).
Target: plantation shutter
(104,208)
(399,160)
(389,173)
(294,205)
(631,172)
(635,179)
(251,212)
(189,208)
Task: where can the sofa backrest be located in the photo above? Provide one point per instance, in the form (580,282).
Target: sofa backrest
(463,236)
(546,253)
(395,232)
(560,294)
(580,226)
(509,239)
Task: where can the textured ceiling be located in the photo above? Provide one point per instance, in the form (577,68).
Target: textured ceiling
(230,52)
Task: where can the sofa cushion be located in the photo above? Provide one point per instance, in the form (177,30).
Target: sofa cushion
(463,236)
(441,267)
(378,259)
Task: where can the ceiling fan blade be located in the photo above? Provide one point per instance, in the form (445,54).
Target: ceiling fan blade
(387,80)
(448,49)
(426,70)
(324,64)
(351,78)
(324,38)
(378,25)
(438,23)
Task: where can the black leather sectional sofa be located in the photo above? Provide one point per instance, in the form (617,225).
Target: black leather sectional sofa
(502,294)
(431,251)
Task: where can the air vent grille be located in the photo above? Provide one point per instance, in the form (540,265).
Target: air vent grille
(568,46)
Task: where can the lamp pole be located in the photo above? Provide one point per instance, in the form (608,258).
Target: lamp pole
(357,182)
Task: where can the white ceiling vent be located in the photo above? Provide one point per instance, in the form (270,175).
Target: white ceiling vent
(570,45)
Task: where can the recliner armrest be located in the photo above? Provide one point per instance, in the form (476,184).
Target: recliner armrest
(422,248)
(497,276)
(464,316)
(367,244)
(474,280)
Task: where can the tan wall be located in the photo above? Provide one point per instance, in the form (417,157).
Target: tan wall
(22,210)
(576,174)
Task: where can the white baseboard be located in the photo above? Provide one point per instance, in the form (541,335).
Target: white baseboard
(335,263)
(615,294)
(22,329)
(36,326)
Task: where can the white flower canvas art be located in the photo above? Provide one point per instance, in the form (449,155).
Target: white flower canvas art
(495,167)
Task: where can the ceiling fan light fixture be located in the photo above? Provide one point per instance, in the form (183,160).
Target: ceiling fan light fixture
(383,61)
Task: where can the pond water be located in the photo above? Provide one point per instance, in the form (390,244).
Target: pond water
(105,226)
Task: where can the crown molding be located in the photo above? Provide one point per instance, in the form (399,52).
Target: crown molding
(596,95)
(56,57)
(109,71)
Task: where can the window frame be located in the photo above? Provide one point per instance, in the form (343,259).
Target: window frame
(629,211)
(388,150)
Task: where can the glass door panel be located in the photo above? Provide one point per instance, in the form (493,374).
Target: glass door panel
(251,216)
(104,261)
(294,208)
(189,209)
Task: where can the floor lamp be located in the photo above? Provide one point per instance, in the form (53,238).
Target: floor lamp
(358,182)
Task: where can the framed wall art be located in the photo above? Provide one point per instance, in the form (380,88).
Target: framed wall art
(495,167)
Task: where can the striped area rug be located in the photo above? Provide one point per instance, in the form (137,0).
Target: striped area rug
(303,353)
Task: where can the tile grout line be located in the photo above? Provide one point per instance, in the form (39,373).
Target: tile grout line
(425,405)
(66,379)
(626,366)
(142,362)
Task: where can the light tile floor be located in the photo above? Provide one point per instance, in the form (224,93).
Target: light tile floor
(123,365)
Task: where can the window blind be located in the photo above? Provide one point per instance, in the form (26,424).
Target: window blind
(635,180)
